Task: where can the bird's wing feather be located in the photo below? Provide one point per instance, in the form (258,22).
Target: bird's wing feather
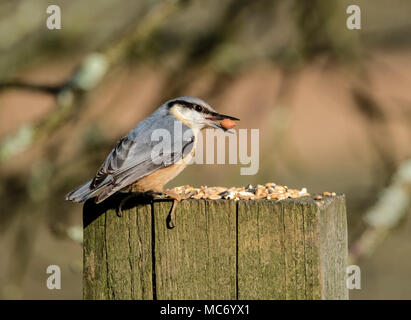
(131,160)
(113,162)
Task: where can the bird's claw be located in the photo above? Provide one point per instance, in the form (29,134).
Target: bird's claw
(120,206)
(171,218)
(122,203)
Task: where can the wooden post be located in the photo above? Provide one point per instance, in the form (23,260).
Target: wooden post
(219,249)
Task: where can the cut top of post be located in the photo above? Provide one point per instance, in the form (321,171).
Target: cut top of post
(219,249)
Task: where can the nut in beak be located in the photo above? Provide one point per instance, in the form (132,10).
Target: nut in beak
(226,124)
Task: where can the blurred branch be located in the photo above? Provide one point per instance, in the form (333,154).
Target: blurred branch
(376,122)
(319,24)
(50,89)
(391,207)
(87,76)
(201,51)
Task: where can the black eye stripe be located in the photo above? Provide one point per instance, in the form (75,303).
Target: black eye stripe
(190,105)
(180,102)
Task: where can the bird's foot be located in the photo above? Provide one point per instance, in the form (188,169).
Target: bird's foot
(171,218)
(142,196)
(158,195)
(122,202)
(170,194)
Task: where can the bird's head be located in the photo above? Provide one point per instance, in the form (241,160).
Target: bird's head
(196,113)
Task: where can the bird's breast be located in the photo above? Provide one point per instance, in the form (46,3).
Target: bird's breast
(157,180)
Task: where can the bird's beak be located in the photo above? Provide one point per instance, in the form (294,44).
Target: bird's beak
(217,117)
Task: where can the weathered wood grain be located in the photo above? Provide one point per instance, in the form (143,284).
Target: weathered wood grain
(333,248)
(117,252)
(292,249)
(196,259)
(219,249)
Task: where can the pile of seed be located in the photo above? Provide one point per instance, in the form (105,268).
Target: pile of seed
(268,191)
(324,194)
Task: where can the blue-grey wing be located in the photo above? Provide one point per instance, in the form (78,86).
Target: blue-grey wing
(132,159)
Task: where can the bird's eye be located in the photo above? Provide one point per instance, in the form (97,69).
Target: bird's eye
(198,108)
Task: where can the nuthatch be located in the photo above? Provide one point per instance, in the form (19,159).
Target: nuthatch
(131,167)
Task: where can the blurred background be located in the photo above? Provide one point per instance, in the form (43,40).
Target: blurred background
(333,107)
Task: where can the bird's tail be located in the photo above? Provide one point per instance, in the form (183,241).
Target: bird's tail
(82,193)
